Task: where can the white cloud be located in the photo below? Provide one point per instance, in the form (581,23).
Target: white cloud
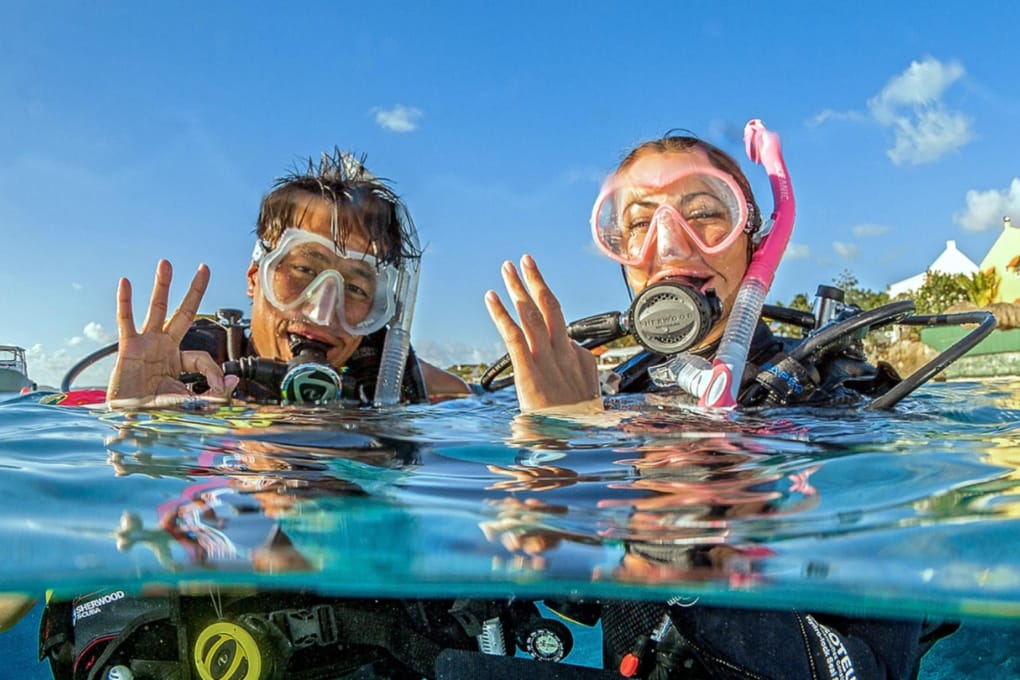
(911,105)
(48,368)
(398,119)
(797,251)
(77,286)
(94,331)
(985,209)
(448,354)
(922,83)
(828,114)
(863,230)
(845,250)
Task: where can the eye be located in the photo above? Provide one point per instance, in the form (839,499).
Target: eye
(356,291)
(640,224)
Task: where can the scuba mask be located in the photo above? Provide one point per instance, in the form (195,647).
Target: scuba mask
(341,290)
(663,198)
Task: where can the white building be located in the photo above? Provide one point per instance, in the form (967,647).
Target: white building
(951,261)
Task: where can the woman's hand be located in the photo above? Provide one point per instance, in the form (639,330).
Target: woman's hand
(550,369)
(149,363)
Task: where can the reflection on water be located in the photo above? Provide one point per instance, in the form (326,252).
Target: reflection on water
(912,514)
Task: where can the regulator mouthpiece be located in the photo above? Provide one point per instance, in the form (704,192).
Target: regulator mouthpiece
(670,317)
(310,379)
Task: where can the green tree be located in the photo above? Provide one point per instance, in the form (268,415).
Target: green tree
(856,295)
(982,287)
(939,292)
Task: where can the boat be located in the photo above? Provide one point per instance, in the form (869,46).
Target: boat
(14,370)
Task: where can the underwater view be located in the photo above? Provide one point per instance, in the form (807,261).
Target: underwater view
(909,514)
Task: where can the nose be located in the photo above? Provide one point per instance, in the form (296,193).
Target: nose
(671,238)
(323,306)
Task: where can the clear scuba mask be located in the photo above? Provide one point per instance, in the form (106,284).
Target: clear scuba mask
(329,287)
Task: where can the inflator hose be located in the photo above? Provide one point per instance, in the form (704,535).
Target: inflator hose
(986,324)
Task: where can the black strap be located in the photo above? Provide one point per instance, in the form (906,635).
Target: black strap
(388,631)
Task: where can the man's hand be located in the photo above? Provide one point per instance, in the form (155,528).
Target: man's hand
(150,362)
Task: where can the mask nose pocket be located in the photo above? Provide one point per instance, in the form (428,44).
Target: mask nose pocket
(324,301)
(671,234)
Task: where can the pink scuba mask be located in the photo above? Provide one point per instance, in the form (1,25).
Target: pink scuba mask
(663,198)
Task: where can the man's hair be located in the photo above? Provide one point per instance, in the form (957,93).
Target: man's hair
(361,202)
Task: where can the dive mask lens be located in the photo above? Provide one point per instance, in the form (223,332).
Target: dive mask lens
(633,213)
(349,290)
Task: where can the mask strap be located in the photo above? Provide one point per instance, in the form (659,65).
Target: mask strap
(260,250)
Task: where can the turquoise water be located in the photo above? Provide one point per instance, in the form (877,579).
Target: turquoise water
(909,513)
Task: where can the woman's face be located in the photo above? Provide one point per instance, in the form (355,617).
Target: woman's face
(678,257)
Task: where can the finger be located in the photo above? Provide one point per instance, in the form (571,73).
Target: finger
(513,336)
(185,313)
(548,305)
(531,320)
(590,370)
(156,315)
(125,315)
(194,361)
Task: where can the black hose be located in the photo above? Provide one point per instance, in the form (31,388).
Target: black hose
(75,371)
(817,343)
(795,317)
(986,324)
(590,332)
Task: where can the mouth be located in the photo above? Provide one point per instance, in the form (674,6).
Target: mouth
(308,332)
(692,280)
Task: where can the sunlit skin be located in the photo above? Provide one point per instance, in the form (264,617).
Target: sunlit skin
(551,372)
(271,328)
(149,361)
(682,259)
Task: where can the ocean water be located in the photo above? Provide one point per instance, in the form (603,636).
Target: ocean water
(909,513)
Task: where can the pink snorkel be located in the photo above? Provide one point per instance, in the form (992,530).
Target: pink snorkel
(717,384)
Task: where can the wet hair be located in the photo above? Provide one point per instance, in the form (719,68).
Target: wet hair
(361,203)
(681,141)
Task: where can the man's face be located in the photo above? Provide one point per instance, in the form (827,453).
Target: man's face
(271,327)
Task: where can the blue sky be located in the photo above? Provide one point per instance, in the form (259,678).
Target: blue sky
(130,132)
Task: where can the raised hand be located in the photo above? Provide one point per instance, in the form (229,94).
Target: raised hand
(550,369)
(150,362)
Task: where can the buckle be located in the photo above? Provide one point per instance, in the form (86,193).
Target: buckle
(307,627)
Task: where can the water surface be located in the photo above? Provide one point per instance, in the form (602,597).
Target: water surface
(908,513)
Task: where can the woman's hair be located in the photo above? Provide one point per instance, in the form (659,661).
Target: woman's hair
(675,141)
(361,202)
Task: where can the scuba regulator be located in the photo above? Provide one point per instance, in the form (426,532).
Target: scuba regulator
(307,378)
(670,317)
(665,318)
